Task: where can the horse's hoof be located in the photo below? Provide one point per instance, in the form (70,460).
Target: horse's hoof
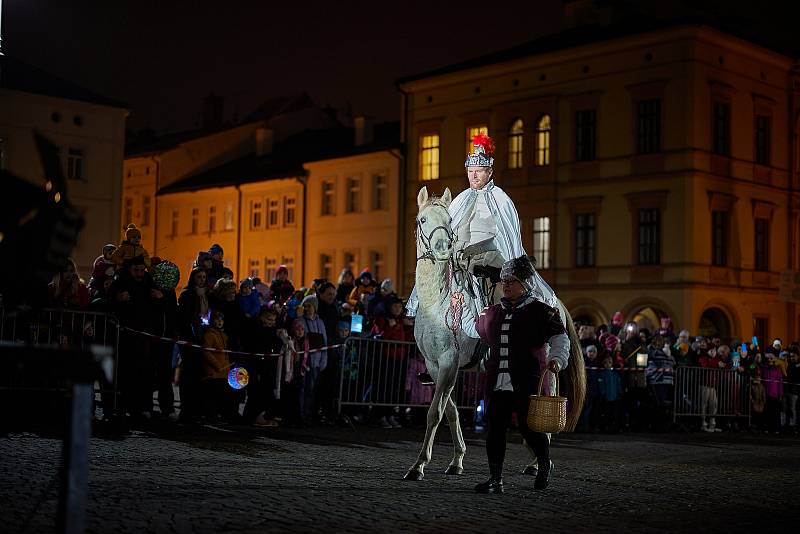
(413,474)
(454,470)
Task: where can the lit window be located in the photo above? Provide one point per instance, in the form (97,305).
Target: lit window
(273,213)
(270,268)
(256,214)
(379,192)
(145,210)
(377,264)
(128,212)
(472,131)
(541,242)
(212,219)
(325,266)
(75,164)
(351,261)
(253,268)
(229,216)
(353,195)
(195,220)
(429,157)
(288,261)
(174,226)
(328,198)
(543,129)
(290,213)
(515,138)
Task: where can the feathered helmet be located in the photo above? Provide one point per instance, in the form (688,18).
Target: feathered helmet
(520,269)
(482,152)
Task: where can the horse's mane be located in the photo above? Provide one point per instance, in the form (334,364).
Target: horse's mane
(433,200)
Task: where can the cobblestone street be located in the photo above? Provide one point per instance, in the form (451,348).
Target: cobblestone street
(211,479)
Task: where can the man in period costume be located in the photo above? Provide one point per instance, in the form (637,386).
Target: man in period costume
(518,331)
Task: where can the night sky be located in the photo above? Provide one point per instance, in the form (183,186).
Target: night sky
(161,57)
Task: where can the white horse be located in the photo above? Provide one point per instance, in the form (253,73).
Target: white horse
(437,326)
(437,329)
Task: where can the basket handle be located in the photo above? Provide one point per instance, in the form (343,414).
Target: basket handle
(541,382)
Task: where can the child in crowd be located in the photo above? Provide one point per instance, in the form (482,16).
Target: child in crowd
(758,401)
(218,398)
(248,299)
(103,268)
(295,365)
(294,306)
(130,248)
(609,386)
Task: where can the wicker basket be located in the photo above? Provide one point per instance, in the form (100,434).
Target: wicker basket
(546,413)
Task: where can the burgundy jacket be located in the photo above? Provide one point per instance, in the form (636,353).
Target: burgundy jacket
(533,323)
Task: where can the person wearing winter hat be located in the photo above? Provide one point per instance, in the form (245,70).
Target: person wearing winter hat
(485,222)
(318,361)
(366,285)
(616,323)
(248,299)
(130,248)
(103,269)
(217,264)
(281,287)
(378,301)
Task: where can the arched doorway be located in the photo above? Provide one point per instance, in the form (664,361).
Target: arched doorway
(586,312)
(715,323)
(649,317)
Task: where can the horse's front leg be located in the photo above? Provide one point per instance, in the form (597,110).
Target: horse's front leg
(456,466)
(444,385)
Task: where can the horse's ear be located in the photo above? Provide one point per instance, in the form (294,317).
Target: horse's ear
(447,196)
(422,197)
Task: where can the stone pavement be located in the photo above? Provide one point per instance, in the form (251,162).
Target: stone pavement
(170,478)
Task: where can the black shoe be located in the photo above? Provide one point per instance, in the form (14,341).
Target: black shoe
(493,485)
(425,379)
(530,470)
(543,476)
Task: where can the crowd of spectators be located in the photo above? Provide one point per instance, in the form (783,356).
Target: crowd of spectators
(631,371)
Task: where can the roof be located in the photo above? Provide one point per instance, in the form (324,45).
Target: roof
(279,106)
(585,35)
(19,76)
(288,157)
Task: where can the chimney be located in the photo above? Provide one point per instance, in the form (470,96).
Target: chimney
(212,111)
(364,128)
(264,140)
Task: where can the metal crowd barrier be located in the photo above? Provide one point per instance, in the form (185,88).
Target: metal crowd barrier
(73,329)
(377,372)
(704,392)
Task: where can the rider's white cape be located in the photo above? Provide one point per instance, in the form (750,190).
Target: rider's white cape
(508,241)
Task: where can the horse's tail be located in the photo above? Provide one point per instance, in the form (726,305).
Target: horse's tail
(575,375)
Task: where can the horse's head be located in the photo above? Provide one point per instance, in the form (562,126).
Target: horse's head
(434,235)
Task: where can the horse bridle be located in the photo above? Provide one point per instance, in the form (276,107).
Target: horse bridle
(426,240)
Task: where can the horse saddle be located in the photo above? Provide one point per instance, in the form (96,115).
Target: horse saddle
(481,247)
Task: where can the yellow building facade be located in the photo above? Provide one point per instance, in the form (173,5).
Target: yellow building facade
(652,172)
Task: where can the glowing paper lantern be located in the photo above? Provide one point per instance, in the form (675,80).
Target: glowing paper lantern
(238,377)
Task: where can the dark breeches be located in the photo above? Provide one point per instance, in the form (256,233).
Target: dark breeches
(500,407)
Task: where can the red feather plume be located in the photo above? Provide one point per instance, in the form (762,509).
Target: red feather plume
(486,142)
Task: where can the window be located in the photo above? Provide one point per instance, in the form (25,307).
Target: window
(290,211)
(351,261)
(288,261)
(649,236)
(228,216)
(429,157)
(195,220)
(762,139)
(76,164)
(719,238)
(128,213)
(174,224)
(584,239)
(648,126)
(353,195)
(145,210)
(761,245)
(515,136)
(256,214)
(273,213)
(379,192)
(541,242)
(376,264)
(253,268)
(325,266)
(761,329)
(212,219)
(328,197)
(585,134)
(722,128)
(472,131)
(270,268)
(543,141)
